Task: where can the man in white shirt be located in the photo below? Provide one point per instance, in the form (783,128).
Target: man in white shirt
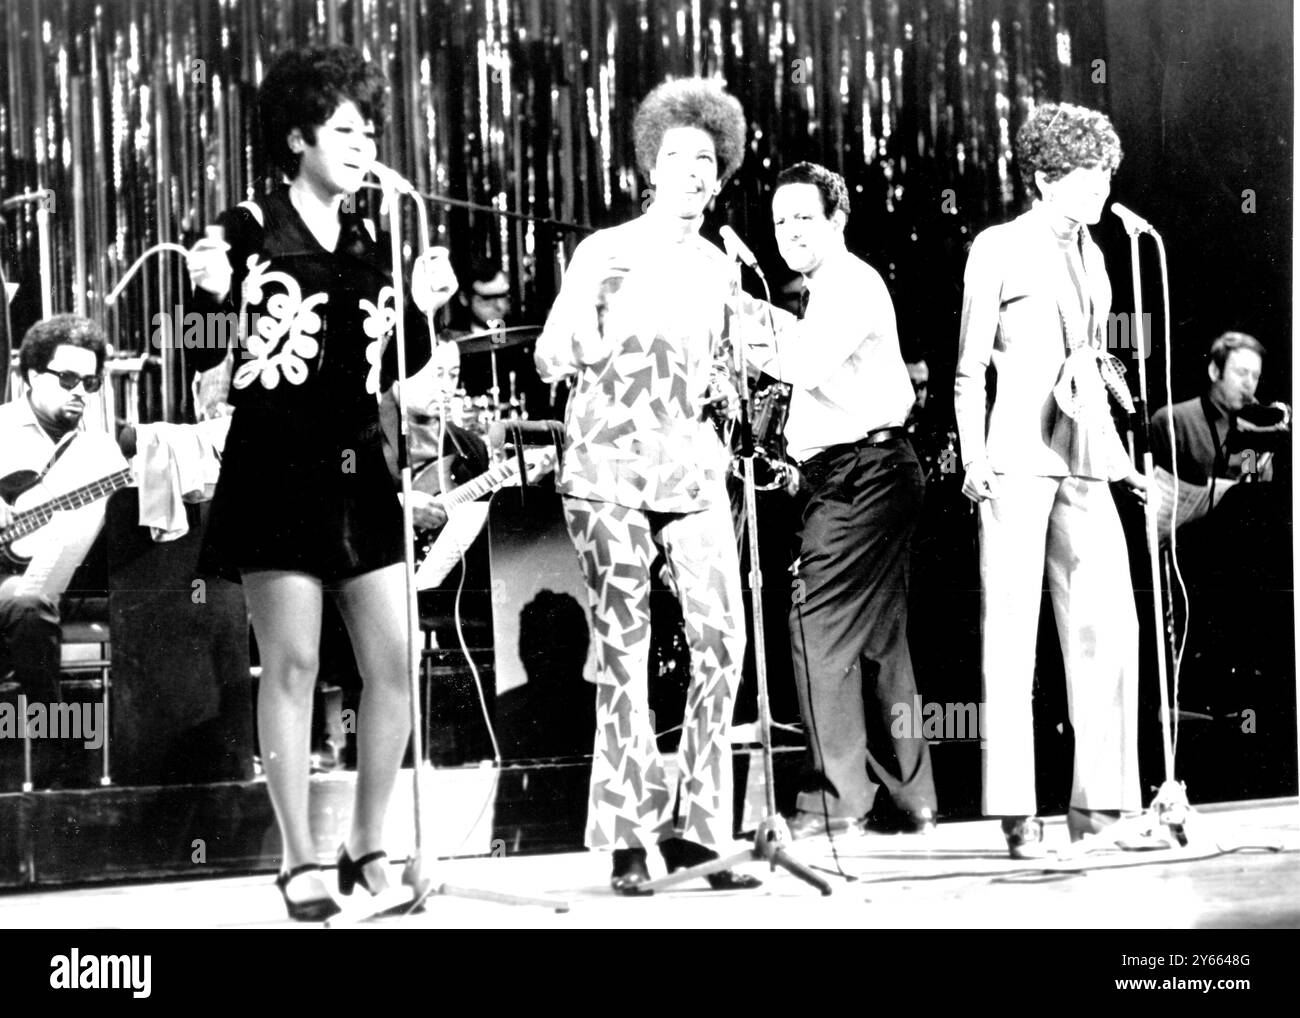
(848,621)
(61,361)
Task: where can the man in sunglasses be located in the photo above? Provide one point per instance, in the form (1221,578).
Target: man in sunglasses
(42,436)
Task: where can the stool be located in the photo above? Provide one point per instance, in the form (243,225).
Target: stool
(11,694)
(86,651)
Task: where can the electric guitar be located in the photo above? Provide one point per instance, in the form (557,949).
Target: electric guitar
(22,541)
(539,462)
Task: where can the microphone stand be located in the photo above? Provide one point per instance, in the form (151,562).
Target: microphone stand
(460,203)
(414,876)
(771,837)
(167,354)
(560,226)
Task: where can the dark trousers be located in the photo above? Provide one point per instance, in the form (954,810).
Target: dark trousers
(29,642)
(848,630)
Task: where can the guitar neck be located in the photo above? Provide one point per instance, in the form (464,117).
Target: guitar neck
(472,491)
(31,520)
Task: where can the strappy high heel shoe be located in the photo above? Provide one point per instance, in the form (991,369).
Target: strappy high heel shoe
(679,853)
(353,871)
(313,910)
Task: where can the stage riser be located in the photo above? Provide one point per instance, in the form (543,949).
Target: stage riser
(183,831)
(117,833)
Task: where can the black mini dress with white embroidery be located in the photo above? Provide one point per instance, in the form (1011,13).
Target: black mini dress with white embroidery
(304,485)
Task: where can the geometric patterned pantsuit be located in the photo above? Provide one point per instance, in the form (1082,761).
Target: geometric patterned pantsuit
(1071,523)
(631,804)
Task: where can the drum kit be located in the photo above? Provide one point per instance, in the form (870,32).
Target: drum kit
(477,413)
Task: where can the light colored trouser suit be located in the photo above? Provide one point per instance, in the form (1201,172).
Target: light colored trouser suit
(631,803)
(1072,523)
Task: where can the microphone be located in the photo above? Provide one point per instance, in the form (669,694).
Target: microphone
(391,179)
(736,248)
(1132,221)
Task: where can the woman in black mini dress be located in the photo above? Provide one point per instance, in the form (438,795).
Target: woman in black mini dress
(305,502)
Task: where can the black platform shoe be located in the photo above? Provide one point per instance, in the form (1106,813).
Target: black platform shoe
(681,854)
(629,871)
(313,910)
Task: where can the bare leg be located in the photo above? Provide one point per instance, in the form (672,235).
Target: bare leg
(286,611)
(374,607)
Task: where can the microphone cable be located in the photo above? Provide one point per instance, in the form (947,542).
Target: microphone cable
(1180,643)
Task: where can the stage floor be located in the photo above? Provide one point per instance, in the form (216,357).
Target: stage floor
(1241,869)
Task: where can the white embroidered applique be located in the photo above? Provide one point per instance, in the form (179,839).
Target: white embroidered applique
(379,322)
(286,334)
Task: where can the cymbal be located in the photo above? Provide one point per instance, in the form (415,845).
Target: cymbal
(497,339)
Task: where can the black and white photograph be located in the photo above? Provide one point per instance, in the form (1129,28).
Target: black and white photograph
(649,465)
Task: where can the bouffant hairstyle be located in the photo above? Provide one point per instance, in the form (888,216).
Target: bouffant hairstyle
(303,89)
(43,338)
(830,185)
(1060,137)
(691,102)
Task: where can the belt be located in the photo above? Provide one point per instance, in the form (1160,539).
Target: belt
(882,435)
(872,438)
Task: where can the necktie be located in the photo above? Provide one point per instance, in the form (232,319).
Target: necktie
(1079,277)
(803,302)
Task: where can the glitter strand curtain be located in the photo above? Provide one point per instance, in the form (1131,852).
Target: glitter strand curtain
(139,118)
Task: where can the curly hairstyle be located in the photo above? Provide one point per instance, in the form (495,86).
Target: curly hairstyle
(691,102)
(1060,137)
(830,185)
(43,338)
(303,89)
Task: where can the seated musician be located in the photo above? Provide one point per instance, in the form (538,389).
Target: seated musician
(444,456)
(46,452)
(442,451)
(483,308)
(483,301)
(1218,436)
(1229,526)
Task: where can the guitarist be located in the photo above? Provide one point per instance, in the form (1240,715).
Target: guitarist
(42,433)
(441,452)
(428,392)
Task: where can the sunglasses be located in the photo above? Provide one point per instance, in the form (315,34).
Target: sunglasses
(69,379)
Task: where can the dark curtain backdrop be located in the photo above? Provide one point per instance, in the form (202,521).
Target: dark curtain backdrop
(1202,92)
(139,115)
